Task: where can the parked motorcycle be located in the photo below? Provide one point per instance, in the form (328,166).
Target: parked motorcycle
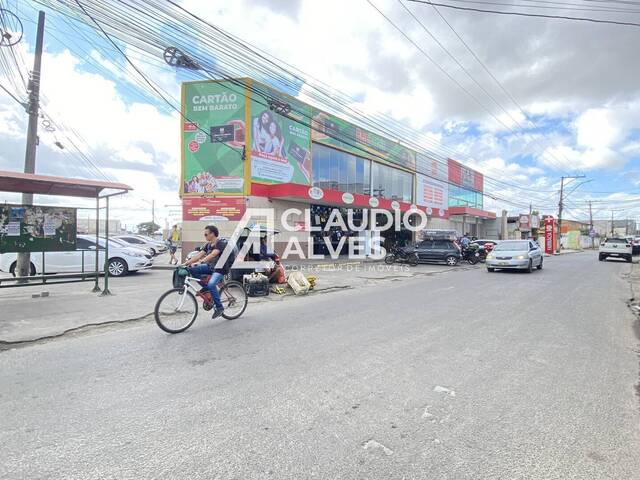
(400,255)
(472,254)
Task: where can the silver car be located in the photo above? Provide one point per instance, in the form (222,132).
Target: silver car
(515,255)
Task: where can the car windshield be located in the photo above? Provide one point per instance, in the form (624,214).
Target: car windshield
(515,245)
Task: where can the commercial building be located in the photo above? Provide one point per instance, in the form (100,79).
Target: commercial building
(245,145)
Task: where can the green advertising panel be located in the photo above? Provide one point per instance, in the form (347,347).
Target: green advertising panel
(336,132)
(280,145)
(26,228)
(213,136)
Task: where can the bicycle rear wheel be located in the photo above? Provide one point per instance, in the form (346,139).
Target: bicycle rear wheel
(234,300)
(176,310)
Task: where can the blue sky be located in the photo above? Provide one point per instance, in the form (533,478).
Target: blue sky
(580,109)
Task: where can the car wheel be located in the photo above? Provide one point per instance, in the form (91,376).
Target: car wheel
(539,267)
(117,267)
(530,267)
(153,251)
(451,261)
(14,265)
(629,259)
(491,270)
(601,257)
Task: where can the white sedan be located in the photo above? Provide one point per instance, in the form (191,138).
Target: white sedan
(122,259)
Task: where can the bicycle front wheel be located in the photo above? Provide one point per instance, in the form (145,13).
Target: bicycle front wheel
(234,300)
(176,310)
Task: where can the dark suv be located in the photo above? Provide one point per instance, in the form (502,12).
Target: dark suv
(438,251)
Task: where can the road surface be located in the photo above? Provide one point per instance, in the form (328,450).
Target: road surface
(461,375)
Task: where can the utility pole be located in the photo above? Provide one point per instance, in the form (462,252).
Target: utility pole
(591,232)
(24,258)
(560,206)
(153,212)
(612,223)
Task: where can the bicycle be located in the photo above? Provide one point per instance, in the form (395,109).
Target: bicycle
(177,309)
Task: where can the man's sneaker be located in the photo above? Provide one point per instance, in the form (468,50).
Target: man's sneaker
(217,312)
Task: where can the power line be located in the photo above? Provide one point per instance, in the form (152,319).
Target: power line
(523,14)
(549,6)
(12,95)
(484,90)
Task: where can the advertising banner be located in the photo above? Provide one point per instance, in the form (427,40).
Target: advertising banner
(213,209)
(465,176)
(330,130)
(432,194)
(280,145)
(524,221)
(213,138)
(549,235)
(26,228)
(432,167)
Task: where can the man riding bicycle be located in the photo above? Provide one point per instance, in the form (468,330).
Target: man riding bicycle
(205,262)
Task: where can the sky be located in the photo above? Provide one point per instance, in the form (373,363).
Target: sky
(530,100)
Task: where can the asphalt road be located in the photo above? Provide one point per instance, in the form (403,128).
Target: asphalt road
(461,375)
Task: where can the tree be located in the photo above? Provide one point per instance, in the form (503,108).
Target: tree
(148,228)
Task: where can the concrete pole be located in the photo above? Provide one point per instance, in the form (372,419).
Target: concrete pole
(24,258)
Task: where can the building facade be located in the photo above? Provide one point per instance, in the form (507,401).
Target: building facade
(245,145)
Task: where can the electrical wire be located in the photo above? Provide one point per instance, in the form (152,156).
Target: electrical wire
(523,14)
(135,37)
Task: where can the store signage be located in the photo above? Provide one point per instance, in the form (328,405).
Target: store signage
(316,193)
(213,209)
(395,205)
(549,235)
(465,177)
(347,198)
(431,193)
(525,223)
(535,221)
(374,202)
(216,111)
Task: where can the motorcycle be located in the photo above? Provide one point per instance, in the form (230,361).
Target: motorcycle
(400,255)
(472,254)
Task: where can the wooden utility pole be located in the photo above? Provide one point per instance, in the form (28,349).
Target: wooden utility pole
(591,232)
(561,205)
(612,223)
(24,259)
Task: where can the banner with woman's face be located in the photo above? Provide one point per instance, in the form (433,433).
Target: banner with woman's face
(280,145)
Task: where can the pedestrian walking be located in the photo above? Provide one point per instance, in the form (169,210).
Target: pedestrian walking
(173,239)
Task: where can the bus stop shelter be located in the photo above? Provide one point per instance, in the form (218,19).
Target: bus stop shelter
(18,182)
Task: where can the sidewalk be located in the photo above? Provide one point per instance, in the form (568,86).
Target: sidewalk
(72,308)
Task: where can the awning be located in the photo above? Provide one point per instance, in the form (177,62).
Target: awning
(326,196)
(472,212)
(49,185)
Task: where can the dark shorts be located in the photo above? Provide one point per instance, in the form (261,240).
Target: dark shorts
(173,249)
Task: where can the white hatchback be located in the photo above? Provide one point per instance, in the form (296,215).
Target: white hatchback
(122,259)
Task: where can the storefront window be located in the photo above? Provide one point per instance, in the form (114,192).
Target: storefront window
(338,170)
(391,183)
(461,197)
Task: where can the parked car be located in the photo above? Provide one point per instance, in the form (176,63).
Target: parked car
(486,244)
(122,259)
(515,255)
(140,241)
(635,245)
(439,250)
(616,248)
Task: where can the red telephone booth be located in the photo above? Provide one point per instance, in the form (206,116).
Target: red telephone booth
(550,235)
